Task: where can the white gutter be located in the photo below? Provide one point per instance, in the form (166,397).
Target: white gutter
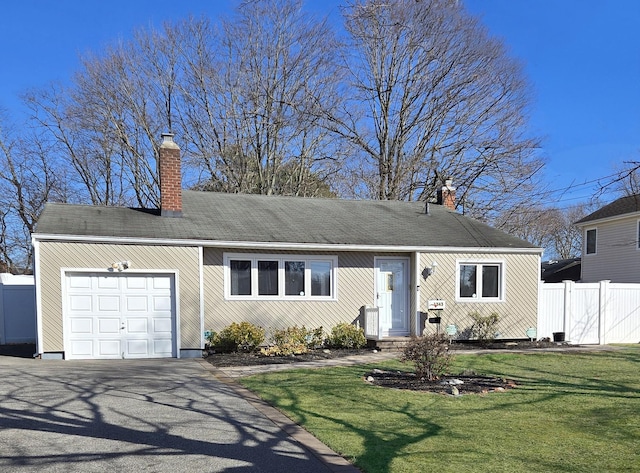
(282,245)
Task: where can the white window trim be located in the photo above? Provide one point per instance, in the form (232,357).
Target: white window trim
(637,235)
(587,230)
(502,289)
(280,258)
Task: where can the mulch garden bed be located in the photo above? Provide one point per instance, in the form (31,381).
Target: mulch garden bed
(453,385)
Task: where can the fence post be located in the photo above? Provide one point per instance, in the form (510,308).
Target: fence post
(568,294)
(603,310)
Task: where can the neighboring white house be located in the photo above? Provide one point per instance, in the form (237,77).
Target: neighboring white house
(611,242)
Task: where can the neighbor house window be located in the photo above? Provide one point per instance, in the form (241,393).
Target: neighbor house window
(280,277)
(480,281)
(592,236)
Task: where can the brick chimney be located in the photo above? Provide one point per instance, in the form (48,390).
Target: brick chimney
(170,178)
(447,195)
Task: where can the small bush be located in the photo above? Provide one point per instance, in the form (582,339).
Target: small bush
(294,341)
(244,336)
(484,327)
(429,354)
(346,335)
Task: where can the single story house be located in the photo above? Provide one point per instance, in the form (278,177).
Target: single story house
(134,283)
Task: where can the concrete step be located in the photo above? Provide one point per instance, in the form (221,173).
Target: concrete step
(389,344)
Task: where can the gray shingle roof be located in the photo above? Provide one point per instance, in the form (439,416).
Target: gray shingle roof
(210,216)
(621,206)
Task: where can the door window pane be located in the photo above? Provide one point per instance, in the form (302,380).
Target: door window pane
(294,278)
(321,278)
(267,278)
(240,277)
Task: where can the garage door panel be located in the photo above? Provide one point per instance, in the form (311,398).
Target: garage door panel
(138,347)
(108,326)
(79,303)
(137,303)
(120,315)
(80,282)
(162,303)
(162,325)
(134,282)
(108,303)
(82,348)
(109,348)
(137,325)
(162,348)
(81,325)
(108,282)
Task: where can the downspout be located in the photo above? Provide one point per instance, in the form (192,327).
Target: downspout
(416,274)
(201,270)
(36,278)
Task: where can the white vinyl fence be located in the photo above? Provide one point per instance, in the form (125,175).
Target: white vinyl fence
(590,313)
(17,309)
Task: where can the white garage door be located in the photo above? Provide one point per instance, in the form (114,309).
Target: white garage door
(119,316)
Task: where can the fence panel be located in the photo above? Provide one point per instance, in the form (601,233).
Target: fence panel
(590,313)
(550,310)
(622,324)
(585,314)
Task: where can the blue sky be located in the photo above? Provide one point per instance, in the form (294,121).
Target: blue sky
(582,58)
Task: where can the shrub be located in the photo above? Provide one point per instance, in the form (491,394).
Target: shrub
(294,341)
(429,354)
(244,336)
(484,327)
(346,335)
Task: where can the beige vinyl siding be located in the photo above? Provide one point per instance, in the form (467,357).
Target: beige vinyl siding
(518,310)
(617,256)
(56,255)
(355,288)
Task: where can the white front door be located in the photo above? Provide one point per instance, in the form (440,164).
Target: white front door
(119,316)
(392,294)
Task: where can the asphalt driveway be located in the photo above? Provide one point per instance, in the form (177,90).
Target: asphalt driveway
(140,416)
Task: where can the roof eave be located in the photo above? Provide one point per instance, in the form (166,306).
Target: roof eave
(586,223)
(281,245)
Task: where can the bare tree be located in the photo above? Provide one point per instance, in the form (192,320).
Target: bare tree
(431,97)
(104,127)
(251,97)
(547,227)
(626,181)
(27,181)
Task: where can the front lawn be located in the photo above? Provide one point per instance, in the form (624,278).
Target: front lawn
(571,412)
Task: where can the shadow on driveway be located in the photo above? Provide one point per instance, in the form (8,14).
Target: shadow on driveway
(122,415)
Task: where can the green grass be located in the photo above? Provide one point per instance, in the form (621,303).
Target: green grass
(572,412)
